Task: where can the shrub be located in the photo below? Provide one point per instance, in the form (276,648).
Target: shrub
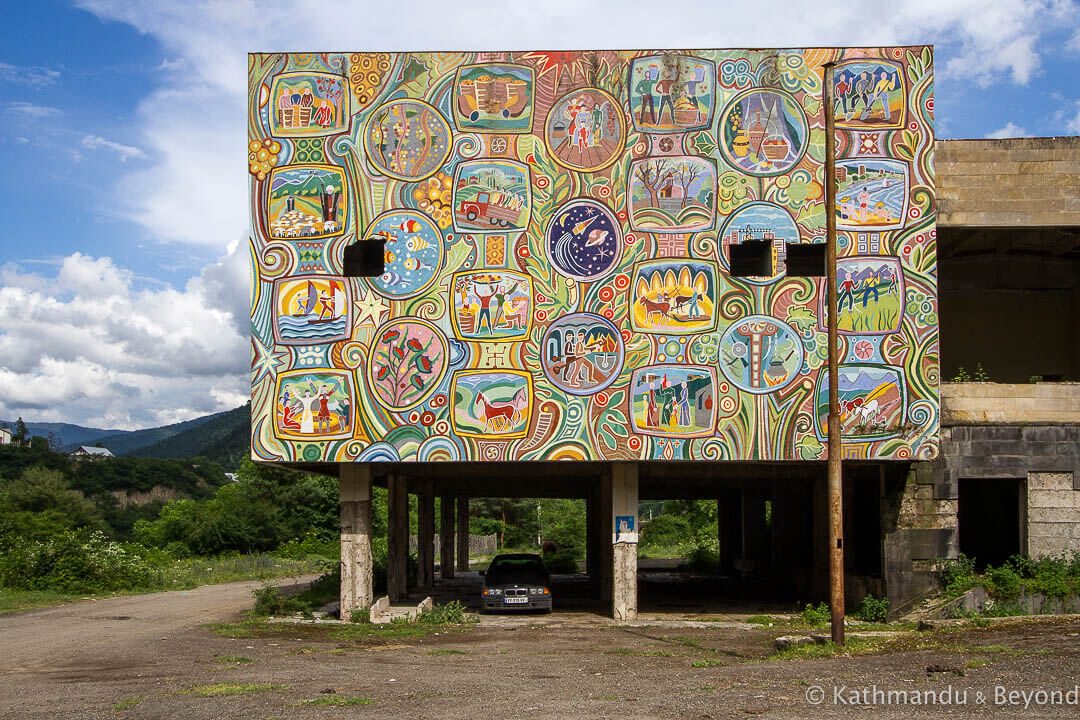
(1003,582)
(703,559)
(873,609)
(562,561)
(666,531)
(816,615)
(82,561)
(452,613)
(957,575)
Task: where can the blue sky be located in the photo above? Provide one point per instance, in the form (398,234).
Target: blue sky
(123,270)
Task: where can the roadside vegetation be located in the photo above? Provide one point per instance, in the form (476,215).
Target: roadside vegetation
(1055,577)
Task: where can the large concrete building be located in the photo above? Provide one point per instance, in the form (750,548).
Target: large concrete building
(468,265)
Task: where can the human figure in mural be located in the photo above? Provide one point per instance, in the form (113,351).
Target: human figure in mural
(692,89)
(847,292)
(693,312)
(572,113)
(324,115)
(884,86)
(840,92)
(342,411)
(889,281)
(684,404)
(290,201)
(328,199)
(864,200)
(652,412)
(644,88)
(307,417)
(323,417)
(284,106)
(598,123)
(583,129)
(664,90)
(864,86)
(485,308)
(870,285)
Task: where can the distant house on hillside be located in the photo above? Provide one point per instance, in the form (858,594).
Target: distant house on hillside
(85,452)
(5,436)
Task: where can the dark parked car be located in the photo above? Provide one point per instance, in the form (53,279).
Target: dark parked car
(517,581)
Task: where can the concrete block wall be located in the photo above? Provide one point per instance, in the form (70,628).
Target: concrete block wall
(1053,513)
(1011,404)
(1032,182)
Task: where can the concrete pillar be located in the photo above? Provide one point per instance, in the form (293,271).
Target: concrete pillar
(463,534)
(425,536)
(446,537)
(821,536)
(729,529)
(354,483)
(623,513)
(756,551)
(590,533)
(606,524)
(397,538)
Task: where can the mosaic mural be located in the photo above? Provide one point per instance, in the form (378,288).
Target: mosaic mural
(552,233)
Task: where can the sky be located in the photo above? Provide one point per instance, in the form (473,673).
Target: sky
(123,198)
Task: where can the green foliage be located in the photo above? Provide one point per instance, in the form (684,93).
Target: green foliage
(452,613)
(563,561)
(957,576)
(980,375)
(703,560)
(666,531)
(872,609)
(41,504)
(269,600)
(816,615)
(221,438)
(79,561)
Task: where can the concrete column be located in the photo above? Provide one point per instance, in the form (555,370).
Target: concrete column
(397,538)
(354,483)
(756,549)
(606,525)
(623,513)
(463,534)
(590,533)
(425,536)
(729,529)
(446,537)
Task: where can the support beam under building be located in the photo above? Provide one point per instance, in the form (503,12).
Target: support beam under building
(605,547)
(623,514)
(397,538)
(446,537)
(354,482)
(425,535)
(590,533)
(463,534)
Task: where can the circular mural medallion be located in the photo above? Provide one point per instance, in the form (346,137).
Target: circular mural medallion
(407,361)
(760,354)
(412,253)
(760,221)
(583,239)
(582,353)
(585,130)
(407,139)
(763,132)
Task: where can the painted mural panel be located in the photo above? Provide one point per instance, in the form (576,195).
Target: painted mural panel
(552,277)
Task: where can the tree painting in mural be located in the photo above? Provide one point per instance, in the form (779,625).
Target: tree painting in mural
(407,363)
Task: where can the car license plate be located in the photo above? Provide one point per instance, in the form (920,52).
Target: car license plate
(515,600)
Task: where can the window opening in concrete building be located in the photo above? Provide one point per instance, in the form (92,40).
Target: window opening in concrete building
(805,260)
(990,512)
(751,258)
(365,259)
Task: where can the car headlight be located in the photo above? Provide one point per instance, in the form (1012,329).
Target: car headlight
(493,591)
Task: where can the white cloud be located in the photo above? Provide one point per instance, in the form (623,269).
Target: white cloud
(31,111)
(89,345)
(1011,130)
(126,152)
(35,76)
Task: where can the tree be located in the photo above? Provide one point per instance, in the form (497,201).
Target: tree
(20,432)
(686,174)
(652,174)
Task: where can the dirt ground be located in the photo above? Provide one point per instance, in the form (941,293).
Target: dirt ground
(140,657)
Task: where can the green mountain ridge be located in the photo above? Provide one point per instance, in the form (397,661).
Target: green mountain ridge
(223,437)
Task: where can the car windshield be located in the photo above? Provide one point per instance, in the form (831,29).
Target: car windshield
(516,567)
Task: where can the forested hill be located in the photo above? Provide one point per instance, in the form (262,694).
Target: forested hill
(223,438)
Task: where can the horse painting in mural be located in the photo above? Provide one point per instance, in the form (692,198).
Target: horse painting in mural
(491,403)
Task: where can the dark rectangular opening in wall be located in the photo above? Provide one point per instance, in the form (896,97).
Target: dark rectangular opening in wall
(989,516)
(862,511)
(365,258)
(751,258)
(805,260)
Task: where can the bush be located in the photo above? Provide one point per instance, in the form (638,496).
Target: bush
(562,561)
(82,561)
(666,531)
(452,613)
(1003,582)
(703,559)
(816,615)
(957,576)
(872,609)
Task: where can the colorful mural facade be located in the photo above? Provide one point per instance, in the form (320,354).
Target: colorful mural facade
(554,232)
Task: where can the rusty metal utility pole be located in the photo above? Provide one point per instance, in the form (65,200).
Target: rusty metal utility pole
(836,481)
